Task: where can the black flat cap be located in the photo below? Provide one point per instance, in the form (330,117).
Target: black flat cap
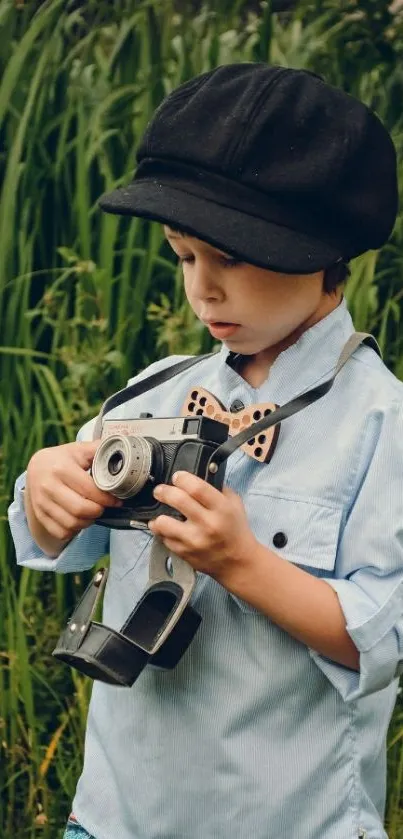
(267,163)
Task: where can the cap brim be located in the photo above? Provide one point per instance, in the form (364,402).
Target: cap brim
(252,239)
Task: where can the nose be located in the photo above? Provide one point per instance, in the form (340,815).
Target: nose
(206,283)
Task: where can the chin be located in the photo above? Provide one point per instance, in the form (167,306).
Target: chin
(245,347)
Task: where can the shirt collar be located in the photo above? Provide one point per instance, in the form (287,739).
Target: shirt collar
(304,363)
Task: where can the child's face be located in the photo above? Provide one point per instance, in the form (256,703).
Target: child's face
(250,309)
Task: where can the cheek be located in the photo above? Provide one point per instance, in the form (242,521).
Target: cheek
(293,298)
(187,285)
(282,312)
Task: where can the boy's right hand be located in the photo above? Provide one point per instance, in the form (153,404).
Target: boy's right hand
(60,496)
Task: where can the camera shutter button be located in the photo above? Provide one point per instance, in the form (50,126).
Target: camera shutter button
(236,405)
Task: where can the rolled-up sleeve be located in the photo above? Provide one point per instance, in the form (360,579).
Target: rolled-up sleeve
(369,565)
(80,554)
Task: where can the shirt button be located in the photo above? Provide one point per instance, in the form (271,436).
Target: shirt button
(280,540)
(236,405)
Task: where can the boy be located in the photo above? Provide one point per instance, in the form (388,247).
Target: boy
(273,725)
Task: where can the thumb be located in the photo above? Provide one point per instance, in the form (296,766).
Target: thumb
(85,452)
(230,493)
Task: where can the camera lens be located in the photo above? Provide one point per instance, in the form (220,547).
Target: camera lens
(122,464)
(115,463)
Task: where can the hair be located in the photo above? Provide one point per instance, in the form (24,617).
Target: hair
(335,275)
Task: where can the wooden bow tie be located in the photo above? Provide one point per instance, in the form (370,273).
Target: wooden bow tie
(201,402)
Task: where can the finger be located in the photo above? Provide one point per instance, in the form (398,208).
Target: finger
(174,546)
(181,501)
(207,495)
(54,529)
(61,524)
(84,452)
(73,503)
(230,493)
(167,527)
(232,496)
(82,483)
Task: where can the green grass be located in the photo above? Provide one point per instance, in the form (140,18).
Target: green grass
(88,299)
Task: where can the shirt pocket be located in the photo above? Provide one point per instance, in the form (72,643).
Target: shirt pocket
(127,548)
(302,532)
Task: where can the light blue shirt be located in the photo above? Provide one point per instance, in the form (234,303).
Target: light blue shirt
(253,734)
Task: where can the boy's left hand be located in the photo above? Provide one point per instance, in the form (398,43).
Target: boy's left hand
(215,538)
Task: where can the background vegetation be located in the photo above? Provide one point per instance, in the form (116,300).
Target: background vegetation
(88,299)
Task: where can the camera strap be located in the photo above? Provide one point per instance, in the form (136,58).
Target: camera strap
(223,452)
(290,408)
(150,382)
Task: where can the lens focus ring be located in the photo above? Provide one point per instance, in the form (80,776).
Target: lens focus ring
(122,465)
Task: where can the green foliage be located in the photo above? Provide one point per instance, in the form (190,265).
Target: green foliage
(88,299)
(365,39)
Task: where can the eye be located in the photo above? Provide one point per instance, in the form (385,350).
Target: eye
(185,259)
(230,261)
(225,261)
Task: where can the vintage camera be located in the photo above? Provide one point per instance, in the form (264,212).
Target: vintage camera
(137,454)
(132,458)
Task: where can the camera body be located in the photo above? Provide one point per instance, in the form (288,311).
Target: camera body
(135,455)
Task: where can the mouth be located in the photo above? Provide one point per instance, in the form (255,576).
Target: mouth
(221,329)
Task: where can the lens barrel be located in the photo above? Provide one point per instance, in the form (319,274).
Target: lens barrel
(122,465)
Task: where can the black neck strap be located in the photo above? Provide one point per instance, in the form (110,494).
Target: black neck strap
(226,449)
(122,396)
(290,408)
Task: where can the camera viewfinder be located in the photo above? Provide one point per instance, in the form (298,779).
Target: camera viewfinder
(191,426)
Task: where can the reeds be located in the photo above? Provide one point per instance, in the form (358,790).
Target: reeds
(88,299)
